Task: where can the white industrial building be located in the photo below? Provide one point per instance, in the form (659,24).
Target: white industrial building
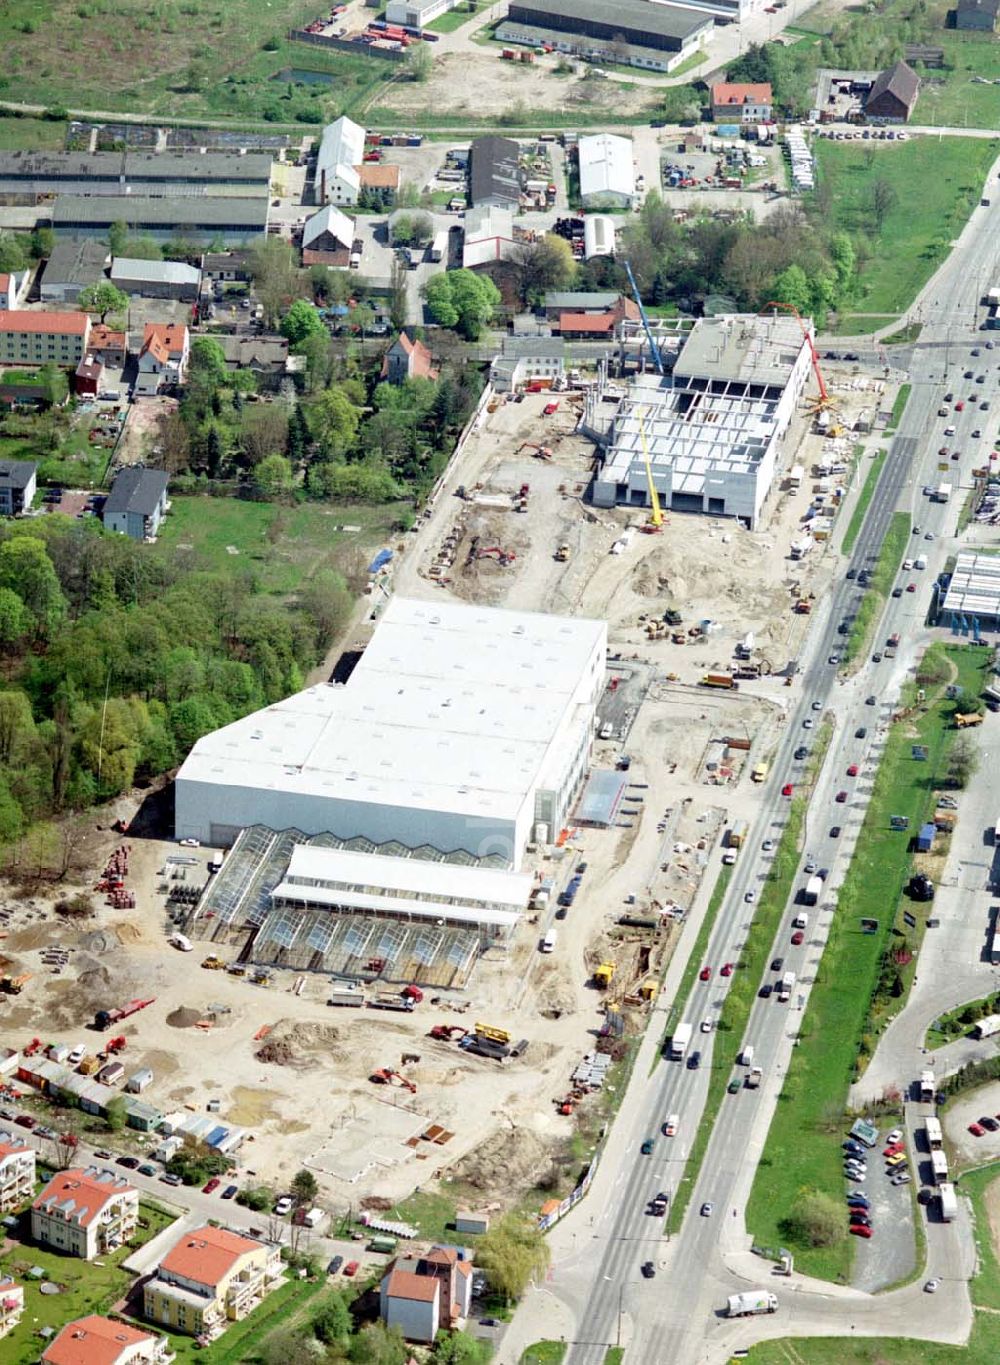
(607,175)
(598,235)
(338,162)
(416,13)
(972,600)
(713,429)
(462,728)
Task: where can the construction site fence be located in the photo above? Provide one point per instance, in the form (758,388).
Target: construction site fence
(473,421)
(549,1220)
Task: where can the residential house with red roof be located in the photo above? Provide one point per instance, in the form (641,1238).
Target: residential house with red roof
(96,1340)
(34,338)
(597,326)
(738,102)
(11,1304)
(209,1278)
(406,359)
(163,359)
(427,1294)
(85,1212)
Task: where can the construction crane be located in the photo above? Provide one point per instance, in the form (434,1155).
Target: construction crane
(654,349)
(656,516)
(824,401)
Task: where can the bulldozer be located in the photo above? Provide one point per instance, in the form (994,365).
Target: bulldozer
(213,963)
(14,985)
(495,1035)
(604,974)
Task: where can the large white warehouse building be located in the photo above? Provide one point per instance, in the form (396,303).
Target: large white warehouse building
(461,728)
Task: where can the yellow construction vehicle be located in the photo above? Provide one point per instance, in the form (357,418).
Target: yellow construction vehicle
(213,963)
(656,515)
(496,1035)
(14,985)
(963,721)
(604,974)
(562,554)
(648,990)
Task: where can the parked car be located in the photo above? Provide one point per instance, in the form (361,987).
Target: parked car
(834,831)
(989,1123)
(26,1121)
(859,1230)
(976,1129)
(129,1162)
(146,1169)
(211,1185)
(335,1265)
(169,1178)
(283,1205)
(841,797)
(852,771)
(351,1269)
(230,1191)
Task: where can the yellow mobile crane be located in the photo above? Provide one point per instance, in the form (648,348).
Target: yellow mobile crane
(656,517)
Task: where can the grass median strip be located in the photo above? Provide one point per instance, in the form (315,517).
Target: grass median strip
(864,500)
(697,954)
(869,612)
(740,997)
(862,978)
(902,398)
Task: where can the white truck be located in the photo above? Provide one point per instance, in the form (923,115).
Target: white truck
(680,1041)
(750,1303)
(813,891)
(785,987)
(949,1203)
(943,493)
(987,1027)
(927,1086)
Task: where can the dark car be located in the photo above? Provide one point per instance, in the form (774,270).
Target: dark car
(229,1191)
(834,831)
(648,1269)
(335,1265)
(147,1169)
(129,1162)
(801,752)
(852,574)
(647,1147)
(694,1061)
(989,1124)
(777,964)
(26,1120)
(765,991)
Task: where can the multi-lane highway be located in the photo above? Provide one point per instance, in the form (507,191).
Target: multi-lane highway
(675,1316)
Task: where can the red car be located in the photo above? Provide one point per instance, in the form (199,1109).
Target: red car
(211,1185)
(351,1269)
(859,1230)
(852,770)
(26,1121)
(841,797)
(727,969)
(705,974)
(893,1148)
(911,587)
(798,937)
(959,406)
(976,1129)
(786,789)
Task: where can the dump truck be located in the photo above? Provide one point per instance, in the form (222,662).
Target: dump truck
(604,974)
(754,1077)
(406,999)
(759,772)
(965,720)
(736,834)
(725,681)
(754,1301)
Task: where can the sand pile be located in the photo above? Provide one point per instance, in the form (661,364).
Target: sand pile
(512,1159)
(184,1017)
(278,1053)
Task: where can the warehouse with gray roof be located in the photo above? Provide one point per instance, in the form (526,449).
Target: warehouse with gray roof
(657,36)
(198,218)
(32,173)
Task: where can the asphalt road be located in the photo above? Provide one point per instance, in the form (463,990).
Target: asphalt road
(601,1285)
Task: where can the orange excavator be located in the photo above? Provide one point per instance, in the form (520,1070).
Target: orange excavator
(543,452)
(386,1076)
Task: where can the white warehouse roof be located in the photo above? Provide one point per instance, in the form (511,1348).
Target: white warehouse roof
(452,709)
(329,219)
(606,166)
(158,272)
(341,151)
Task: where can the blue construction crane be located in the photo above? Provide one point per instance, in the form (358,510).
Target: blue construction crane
(654,350)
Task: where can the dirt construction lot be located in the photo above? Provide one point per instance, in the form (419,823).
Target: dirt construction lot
(296,1072)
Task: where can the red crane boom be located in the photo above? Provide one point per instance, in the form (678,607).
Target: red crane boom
(824,397)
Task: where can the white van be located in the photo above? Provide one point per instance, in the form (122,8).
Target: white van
(746,1056)
(181,942)
(801,920)
(77,1055)
(671,1125)
(548,943)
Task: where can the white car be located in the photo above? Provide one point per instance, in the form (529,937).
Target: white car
(706,1026)
(932,1286)
(283,1206)
(750,897)
(767,846)
(190,843)
(894,1136)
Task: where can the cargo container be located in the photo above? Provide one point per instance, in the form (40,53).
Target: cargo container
(949,1202)
(350,997)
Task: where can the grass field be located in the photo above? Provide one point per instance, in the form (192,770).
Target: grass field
(86,1286)
(74,463)
(803,1146)
(950,98)
(242,1340)
(869,612)
(936,183)
(453,19)
(31,134)
(544,1353)
(861,506)
(739,1001)
(853,324)
(986,1286)
(283,546)
(177,57)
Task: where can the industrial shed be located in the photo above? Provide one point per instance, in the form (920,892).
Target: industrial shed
(461,728)
(607,176)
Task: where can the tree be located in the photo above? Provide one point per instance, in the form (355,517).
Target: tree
(816,1220)
(273,477)
(792,286)
(26,568)
(207,362)
(377,1344)
(332,1324)
(276,276)
(440,302)
(117,239)
(114,1114)
(458,1348)
(302,320)
(419,62)
(304,1188)
(397,293)
(547,264)
(513,1253)
(334,420)
(963,761)
(54,384)
(264,432)
(463,300)
(318,353)
(15,622)
(883,200)
(361,318)
(103,298)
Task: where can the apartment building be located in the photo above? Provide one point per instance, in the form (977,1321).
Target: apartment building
(85,1212)
(17,1174)
(97,1340)
(210,1277)
(38,338)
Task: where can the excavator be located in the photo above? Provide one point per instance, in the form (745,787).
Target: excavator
(503,557)
(386,1076)
(542,452)
(447,1033)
